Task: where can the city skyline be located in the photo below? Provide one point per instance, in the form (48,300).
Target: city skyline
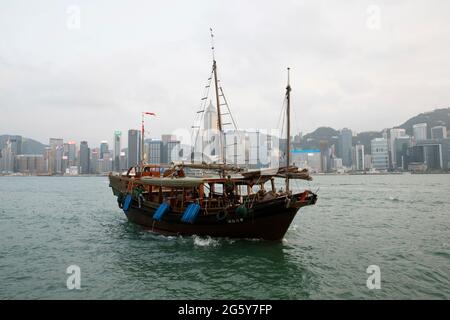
(428,148)
(112,63)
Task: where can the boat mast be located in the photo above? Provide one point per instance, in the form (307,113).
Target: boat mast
(216,85)
(142,141)
(288,133)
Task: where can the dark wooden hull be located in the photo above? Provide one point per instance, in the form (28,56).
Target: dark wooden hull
(268,222)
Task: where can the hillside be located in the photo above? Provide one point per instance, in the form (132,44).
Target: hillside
(29,146)
(438,117)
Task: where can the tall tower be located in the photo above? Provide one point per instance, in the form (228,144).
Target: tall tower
(211,133)
(134,148)
(84,158)
(117,140)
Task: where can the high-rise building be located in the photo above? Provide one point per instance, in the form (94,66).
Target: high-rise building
(367,162)
(103,148)
(173,151)
(358,158)
(106,164)
(155,151)
(30,163)
(123,160)
(134,148)
(420,131)
(380,155)
(439,132)
(16,144)
(55,157)
(117,138)
(345,147)
(94,161)
(394,134)
(72,153)
(400,151)
(211,136)
(84,158)
(7,162)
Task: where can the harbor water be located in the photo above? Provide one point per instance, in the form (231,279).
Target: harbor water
(400,223)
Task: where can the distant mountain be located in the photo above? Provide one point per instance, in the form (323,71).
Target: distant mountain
(313,140)
(29,146)
(365,138)
(438,117)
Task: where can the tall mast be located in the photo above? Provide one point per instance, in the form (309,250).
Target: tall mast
(142,142)
(288,131)
(216,85)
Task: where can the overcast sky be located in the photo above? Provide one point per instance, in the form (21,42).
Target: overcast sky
(361,64)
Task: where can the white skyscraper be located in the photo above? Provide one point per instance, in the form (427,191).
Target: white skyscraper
(420,131)
(380,155)
(439,132)
(394,133)
(358,157)
(211,143)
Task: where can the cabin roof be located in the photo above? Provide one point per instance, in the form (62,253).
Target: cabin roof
(172,182)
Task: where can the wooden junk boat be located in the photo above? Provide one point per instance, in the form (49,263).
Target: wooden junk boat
(221,202)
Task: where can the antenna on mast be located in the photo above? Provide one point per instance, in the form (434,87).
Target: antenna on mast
(219,114)
(212,43)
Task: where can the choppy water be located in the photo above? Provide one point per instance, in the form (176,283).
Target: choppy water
(400,223)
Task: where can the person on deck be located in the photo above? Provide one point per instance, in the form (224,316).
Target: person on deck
(138,194)
(229,188)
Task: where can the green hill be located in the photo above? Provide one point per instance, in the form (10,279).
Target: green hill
(327,135)
(29,146)
(438,117)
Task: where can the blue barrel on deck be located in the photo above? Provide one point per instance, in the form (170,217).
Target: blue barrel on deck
(162,209)
(127,203)
(191,213)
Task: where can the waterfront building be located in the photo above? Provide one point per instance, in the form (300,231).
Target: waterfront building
(134,148)
(358,159)
(117,142)
(394,134)
(103,148)
(155,148)
(30,163)
(94,161)
(439,132)
(123,161)
(367,162)
(400,151)
(84,158)
(211,137)
(345,147)
(337,164)
(106,164)
(173,153)
(70,152)
(420,131)
(7,154)
(434,153)
(380,155)
(55,157)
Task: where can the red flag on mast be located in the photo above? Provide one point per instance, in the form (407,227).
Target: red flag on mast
(150,113)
